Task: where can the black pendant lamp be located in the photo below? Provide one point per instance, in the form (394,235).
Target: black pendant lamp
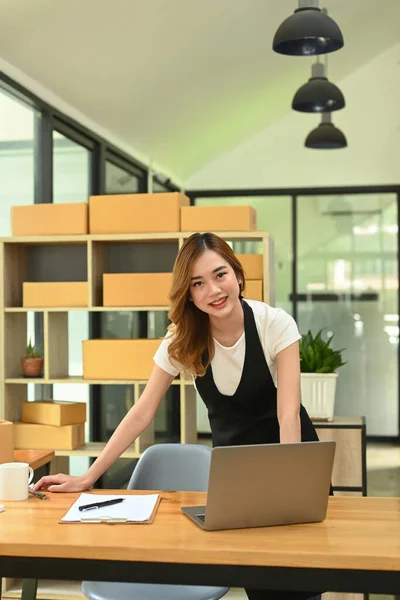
(318,94)
(309,31)
(326,136)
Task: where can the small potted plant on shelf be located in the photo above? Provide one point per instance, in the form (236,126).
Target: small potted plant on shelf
(318,366)
(32,362)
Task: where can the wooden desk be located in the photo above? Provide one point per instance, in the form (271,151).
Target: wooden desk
(35,458)
(356,549)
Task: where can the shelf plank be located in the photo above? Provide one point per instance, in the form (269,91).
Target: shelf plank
(94,449)
(22,309)
(54,240)
(42,380)
(127,237)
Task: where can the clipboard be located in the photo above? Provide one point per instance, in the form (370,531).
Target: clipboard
(116,516)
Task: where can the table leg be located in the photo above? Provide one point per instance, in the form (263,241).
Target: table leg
(29,589)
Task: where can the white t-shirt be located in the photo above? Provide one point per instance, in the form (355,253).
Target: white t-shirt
(276,329)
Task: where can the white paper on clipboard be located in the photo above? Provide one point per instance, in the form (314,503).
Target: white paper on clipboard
(134,509)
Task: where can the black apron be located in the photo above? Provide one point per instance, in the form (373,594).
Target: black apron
(250,417)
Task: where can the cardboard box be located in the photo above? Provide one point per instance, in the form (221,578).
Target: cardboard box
(136,289)
(43,437)
(55,293)
(6,442)
(136,213)
(50,219)
(254,290)
(54,412)
(218,218)
(252,265)
(119,359)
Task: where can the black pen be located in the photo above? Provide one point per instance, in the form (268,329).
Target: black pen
(85,507)
(37,494)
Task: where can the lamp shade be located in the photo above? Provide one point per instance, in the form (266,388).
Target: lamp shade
(307,32)
(318,94)
(326,137)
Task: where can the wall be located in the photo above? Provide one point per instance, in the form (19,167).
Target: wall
(275,157)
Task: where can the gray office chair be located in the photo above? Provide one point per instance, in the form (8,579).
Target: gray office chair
(167,467)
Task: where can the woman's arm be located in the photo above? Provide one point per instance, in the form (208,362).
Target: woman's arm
(132,425)
(288,373)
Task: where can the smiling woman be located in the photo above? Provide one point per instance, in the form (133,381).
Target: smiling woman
(243,356)
(234,349)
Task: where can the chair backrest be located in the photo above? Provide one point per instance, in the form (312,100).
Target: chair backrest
(172,467)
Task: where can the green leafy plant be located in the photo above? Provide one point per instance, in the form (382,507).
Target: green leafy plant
(316,355)
(32,352)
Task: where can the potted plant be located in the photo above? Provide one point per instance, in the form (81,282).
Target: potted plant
(32,361)
(318,366)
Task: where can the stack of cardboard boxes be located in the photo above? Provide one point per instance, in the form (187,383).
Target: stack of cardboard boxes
(51,424)
(52,220)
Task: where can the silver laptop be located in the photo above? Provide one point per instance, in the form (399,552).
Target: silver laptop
(262,485)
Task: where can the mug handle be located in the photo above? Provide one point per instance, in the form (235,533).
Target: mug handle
(30,475)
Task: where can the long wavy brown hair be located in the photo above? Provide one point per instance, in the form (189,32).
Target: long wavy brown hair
(192,340)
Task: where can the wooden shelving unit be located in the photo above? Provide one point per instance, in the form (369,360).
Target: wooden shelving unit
(86,258)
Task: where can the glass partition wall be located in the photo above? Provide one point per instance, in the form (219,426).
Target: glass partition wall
(17,173)
(336,261)
(347,284)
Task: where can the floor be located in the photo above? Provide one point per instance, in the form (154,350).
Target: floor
(383,470)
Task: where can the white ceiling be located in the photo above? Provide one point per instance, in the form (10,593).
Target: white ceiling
(182,81)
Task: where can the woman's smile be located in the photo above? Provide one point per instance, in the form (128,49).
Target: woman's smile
(219,303)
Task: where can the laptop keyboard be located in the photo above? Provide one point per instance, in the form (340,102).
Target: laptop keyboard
(201,517)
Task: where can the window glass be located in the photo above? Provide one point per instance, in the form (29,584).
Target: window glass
(119,181)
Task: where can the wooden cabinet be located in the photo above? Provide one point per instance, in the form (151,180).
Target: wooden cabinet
(350,469)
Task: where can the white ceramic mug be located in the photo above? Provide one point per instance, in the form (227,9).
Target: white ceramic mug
(15,478)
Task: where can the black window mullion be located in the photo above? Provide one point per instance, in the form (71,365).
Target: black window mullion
(166,183)
(73,134)
(43,194)
(98,170)
(123,164)
(43,157)
(98,185)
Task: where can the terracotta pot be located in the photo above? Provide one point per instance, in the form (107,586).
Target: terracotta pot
(32,367)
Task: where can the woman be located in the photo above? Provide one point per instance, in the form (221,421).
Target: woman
(235,349)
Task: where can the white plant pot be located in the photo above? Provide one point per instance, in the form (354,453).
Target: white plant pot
(318,394)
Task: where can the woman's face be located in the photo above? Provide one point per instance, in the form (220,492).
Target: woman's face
(214,287)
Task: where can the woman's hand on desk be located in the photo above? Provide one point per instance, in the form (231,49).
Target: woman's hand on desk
(62,483)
